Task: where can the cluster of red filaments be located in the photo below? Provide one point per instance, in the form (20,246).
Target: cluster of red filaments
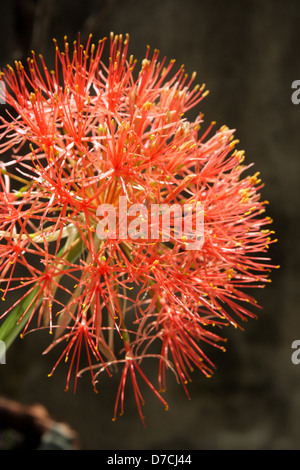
(86,134)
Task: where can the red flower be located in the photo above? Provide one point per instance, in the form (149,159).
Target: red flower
(87,136)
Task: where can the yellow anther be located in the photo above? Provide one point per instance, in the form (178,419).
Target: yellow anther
(147,105)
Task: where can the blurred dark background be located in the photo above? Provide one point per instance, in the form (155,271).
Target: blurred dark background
(247,52)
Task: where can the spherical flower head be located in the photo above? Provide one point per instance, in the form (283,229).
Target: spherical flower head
(129,231)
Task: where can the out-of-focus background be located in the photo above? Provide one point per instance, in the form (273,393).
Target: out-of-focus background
(247,52)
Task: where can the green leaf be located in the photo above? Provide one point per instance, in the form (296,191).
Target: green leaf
(10,328)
